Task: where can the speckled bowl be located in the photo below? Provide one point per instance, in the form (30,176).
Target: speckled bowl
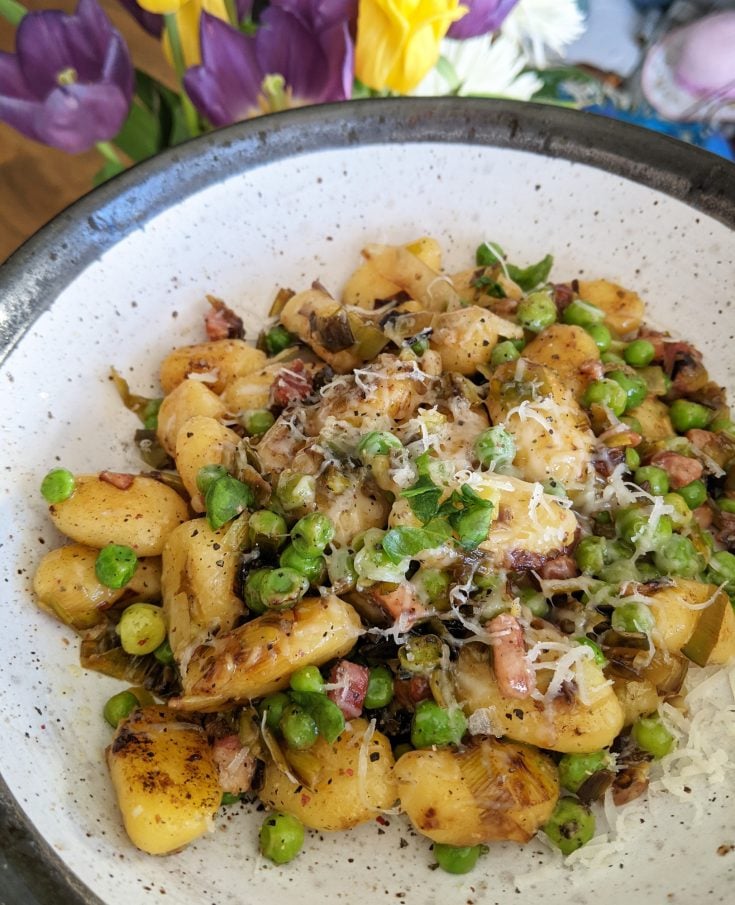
(119,280)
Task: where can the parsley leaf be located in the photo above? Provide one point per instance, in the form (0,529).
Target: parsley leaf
(530,277)
(470,516)
(488,286)
(489,253)
(423,496)
(404,541)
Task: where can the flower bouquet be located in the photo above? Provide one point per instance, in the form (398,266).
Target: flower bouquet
(71,82)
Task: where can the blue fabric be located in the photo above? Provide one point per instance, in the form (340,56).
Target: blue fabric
(699,134)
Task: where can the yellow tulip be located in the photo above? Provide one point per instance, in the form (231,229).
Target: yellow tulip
(161,6)
(398,40)
(188,15)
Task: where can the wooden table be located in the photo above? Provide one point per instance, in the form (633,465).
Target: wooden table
(37,182)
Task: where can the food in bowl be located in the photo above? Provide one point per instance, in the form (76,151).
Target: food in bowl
(446,544)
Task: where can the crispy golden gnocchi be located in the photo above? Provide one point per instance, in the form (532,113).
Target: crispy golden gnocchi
(459,538)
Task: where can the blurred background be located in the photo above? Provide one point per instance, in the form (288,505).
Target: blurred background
(625,65)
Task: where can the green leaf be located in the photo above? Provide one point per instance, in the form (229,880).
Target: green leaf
(489,287)
(140,136)
(489,253)
(110,169)
(423,497)
(404,541)
(530,277)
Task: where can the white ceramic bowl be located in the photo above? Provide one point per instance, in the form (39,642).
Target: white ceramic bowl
(119,279)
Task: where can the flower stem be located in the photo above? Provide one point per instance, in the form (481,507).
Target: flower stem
(107,150)
(12,11)
(177,52)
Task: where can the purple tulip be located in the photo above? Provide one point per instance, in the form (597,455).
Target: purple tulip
(483,16)
(307,42)
(151,22)
(70,82)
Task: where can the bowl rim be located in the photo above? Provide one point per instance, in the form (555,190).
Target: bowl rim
(33,277)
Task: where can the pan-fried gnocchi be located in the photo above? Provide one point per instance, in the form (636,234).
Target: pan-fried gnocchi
(443,545)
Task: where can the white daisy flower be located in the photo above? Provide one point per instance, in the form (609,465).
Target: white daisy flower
(488,66)
(538,25)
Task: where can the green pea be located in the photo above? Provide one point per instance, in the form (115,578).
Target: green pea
(647,571)
(420,346)
(421,654)
(656,479)
(163,653)
(257,422)
(296,491)
(225,499)
(694,494)
(434,725)
(590,555)
(251,591)
(721,567)
(601,335)
(632,459)
(281,589)
(615,573)
(634,424)
(380,688)
(723,424)
(457,859)
(608,393)
(281,838)
(650,734)
(267,530)
(682,514)
(723,504)
(307,678)
(635,388)
(329,719)
(600,658)
(314,568)
(536,602)
(277,339)
(617,549)
(311,534)
(273,707)
(632,617)
(58,485)
(582,314)
(634,526)
(678,556)
(536,311)
(574,769)
(120,706)
(298,728)
(639,353)
(571,826)
(611,358)
(208,475)
(142,629)
(115,565)
(435,584)
(229,798)
(504,351)
(377,443)
(495,446)
(686,415)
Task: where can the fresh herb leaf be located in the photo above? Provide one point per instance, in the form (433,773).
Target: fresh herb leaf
(489,287)
(423,496)
(530,277)
(489,253)
(404,541)
(470,516)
